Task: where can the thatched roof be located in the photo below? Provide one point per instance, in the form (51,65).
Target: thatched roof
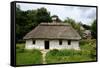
(53,31)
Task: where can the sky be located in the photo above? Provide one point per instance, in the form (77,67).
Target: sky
(84,14)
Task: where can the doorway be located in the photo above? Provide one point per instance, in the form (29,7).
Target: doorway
(46,44)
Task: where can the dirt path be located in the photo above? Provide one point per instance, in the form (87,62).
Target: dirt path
(43,55)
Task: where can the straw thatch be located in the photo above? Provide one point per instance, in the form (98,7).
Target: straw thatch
(53,31)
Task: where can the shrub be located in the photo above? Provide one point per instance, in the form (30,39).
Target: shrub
(88,41)
(53,52)
(66,52)
(93,52)
(66,55)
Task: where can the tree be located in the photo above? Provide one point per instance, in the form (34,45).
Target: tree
(70,21)
(58,19)
(43,15)
(87,27)
(27,20)
(94,29)
(74,24)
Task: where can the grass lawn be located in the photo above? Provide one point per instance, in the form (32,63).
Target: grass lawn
(68,56)
(27,57)
(87,53)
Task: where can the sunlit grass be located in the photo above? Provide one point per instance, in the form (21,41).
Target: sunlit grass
(87,53)
(34,56)
(27,57)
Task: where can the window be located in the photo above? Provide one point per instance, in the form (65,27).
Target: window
(33,41)
(60,42)
(69,42)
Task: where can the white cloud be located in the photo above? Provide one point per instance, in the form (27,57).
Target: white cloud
(83,14)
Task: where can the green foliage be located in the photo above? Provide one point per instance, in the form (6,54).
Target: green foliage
(87,27)
(77,26)
(27,57)
(43,15)
(56,52)
(20,50)
(27,20)
(87,53)
(20,46)
(70,21)
(94,29)
(34,56)
(74,24)
(68,56)
(89,46)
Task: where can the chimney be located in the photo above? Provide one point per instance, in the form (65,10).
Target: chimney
(54,18)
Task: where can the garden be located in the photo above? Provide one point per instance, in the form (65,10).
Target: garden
(34,56)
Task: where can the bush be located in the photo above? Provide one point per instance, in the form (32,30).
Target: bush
(67,52)
(65,55)
(93,52)
(53,52)
(64,52)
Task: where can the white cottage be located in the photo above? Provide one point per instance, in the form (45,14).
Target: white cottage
(52,36)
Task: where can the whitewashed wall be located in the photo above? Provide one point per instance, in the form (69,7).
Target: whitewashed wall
(75,45)
(29,44)
(39,44)
(53,44)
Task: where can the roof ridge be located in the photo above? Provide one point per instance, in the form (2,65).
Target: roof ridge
(55,24)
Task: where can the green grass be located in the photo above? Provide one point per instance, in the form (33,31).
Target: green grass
(87,53)
(68,56)
(26,57)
